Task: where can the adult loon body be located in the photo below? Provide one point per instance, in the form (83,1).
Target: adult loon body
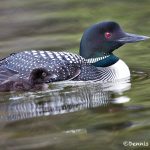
(96,60)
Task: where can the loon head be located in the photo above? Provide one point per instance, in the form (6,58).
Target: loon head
(103,38)
(39,76)
(38,79)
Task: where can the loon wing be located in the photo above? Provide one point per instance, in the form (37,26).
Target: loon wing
(61,65)
(6,73)
(76,74)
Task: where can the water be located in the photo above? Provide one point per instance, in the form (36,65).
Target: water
(75,115)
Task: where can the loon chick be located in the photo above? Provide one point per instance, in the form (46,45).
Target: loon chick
(36,81)
(96,60)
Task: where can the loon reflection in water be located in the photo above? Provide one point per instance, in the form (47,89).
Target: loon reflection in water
(96,60)
(64,98)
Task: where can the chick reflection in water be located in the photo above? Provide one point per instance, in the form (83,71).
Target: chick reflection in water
(64,98)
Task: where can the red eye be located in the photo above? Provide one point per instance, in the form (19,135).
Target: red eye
(108,35)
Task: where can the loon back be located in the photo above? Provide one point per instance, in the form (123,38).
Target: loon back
(60,65)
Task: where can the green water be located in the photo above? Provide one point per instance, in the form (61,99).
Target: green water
(77,116)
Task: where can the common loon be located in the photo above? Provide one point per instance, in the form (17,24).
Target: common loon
(36,81)
(96,60)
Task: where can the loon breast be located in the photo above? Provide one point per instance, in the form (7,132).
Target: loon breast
(117,71)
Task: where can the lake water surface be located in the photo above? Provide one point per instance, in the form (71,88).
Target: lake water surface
(76,115)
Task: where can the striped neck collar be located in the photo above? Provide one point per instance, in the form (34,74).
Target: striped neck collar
(103,61)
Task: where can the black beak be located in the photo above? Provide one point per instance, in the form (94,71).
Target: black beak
(131,38)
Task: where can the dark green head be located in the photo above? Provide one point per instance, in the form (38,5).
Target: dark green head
(103,38)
